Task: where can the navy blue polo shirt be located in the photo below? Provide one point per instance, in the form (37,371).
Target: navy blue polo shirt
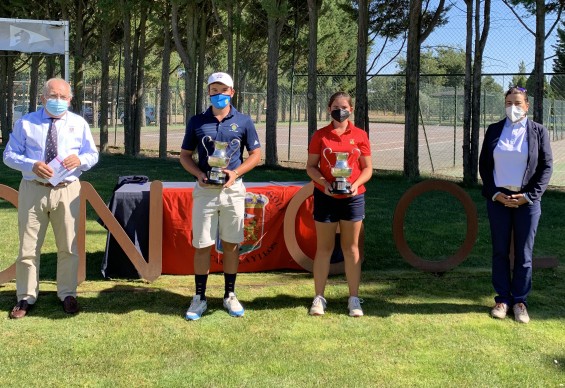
(235,125)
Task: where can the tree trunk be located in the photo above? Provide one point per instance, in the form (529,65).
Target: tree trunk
(480,42)
(277,15)
(199,102)
(362,103)
(139,105)
(468,110)
(538,91)
(128,76)
(33,83)
(135,115)
(191,80)
(187,54)
(50,66)
(312,66)
(236,68)
(412,101)
(78,58)
(105,86)
(227,32)
(165,83)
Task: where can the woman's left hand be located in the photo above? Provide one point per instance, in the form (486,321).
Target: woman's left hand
(520,199)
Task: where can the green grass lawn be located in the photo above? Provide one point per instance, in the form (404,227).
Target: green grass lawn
(419,330)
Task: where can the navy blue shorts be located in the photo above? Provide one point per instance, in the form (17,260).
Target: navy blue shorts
(331,209)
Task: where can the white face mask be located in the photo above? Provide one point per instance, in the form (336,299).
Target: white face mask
(514,113)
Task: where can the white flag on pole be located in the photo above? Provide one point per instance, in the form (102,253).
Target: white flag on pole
(32,36)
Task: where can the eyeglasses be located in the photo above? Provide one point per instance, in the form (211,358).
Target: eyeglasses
(56,96)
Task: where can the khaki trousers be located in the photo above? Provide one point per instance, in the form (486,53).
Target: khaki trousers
(37,207)
(217,211)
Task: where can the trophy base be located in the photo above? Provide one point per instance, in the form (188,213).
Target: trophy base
(341,191)
(215,182)
(216,178)
(341,186)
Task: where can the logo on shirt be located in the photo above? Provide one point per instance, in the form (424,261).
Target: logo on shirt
(352,141)
(71,129)
(233,127)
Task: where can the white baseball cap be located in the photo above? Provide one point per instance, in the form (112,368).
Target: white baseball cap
(222,78)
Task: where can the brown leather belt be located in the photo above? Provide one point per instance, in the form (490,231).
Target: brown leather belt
(62,184)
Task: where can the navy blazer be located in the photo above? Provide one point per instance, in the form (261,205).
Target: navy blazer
(539,166)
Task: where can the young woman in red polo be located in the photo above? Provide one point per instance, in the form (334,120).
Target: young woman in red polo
(339,163)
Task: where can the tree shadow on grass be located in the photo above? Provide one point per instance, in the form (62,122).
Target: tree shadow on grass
(372,306)
(120,299)
(425,294)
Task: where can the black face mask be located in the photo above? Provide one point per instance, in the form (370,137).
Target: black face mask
(339,114)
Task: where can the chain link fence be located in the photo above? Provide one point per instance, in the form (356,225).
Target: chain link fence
(440,126)
(509,51)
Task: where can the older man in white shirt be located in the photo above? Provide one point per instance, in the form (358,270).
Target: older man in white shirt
(51,147)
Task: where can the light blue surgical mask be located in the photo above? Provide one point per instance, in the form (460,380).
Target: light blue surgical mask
(220,101)
(56,107)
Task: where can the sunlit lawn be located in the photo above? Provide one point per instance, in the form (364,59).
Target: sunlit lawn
(419,329)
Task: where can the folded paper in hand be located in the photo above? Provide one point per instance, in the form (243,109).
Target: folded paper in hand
(59,171)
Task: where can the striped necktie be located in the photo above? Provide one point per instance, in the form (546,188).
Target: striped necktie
(51,143)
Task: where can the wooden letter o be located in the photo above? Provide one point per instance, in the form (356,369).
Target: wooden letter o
(398,226)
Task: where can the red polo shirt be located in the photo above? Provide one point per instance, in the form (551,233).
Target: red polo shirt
(352,138)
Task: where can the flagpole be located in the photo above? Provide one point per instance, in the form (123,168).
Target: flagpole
(66,24)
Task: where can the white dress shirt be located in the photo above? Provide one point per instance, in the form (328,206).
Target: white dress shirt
(511,155)
(27,143)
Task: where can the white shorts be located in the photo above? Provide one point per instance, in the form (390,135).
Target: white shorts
(217,211)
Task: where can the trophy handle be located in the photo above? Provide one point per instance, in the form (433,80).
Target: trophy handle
(324,154)
(353,152)
(235,141)
(204,145)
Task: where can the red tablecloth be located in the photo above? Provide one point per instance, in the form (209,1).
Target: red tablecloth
(264,246)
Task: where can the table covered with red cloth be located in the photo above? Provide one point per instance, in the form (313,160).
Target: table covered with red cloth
(264,246)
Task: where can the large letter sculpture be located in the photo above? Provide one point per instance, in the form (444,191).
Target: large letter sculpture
(11,196)
(148,270)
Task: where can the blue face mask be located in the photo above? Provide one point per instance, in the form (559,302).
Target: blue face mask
(220,101)
(56,106)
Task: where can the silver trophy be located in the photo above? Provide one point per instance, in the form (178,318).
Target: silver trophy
(341,170)
(218,160)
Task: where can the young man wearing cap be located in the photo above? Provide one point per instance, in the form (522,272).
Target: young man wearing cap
(218,209)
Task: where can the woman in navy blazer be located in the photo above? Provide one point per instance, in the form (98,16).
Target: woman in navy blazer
(515,165)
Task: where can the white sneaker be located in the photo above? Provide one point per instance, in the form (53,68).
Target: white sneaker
(196,309)
(354,306)
(499,310)
(521,313)
(235,309)
(318,306)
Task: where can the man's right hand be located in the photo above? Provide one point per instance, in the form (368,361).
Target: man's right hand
(202,179)
(42,170)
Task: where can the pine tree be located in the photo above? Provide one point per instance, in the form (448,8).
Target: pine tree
(522,78)
(558,81)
